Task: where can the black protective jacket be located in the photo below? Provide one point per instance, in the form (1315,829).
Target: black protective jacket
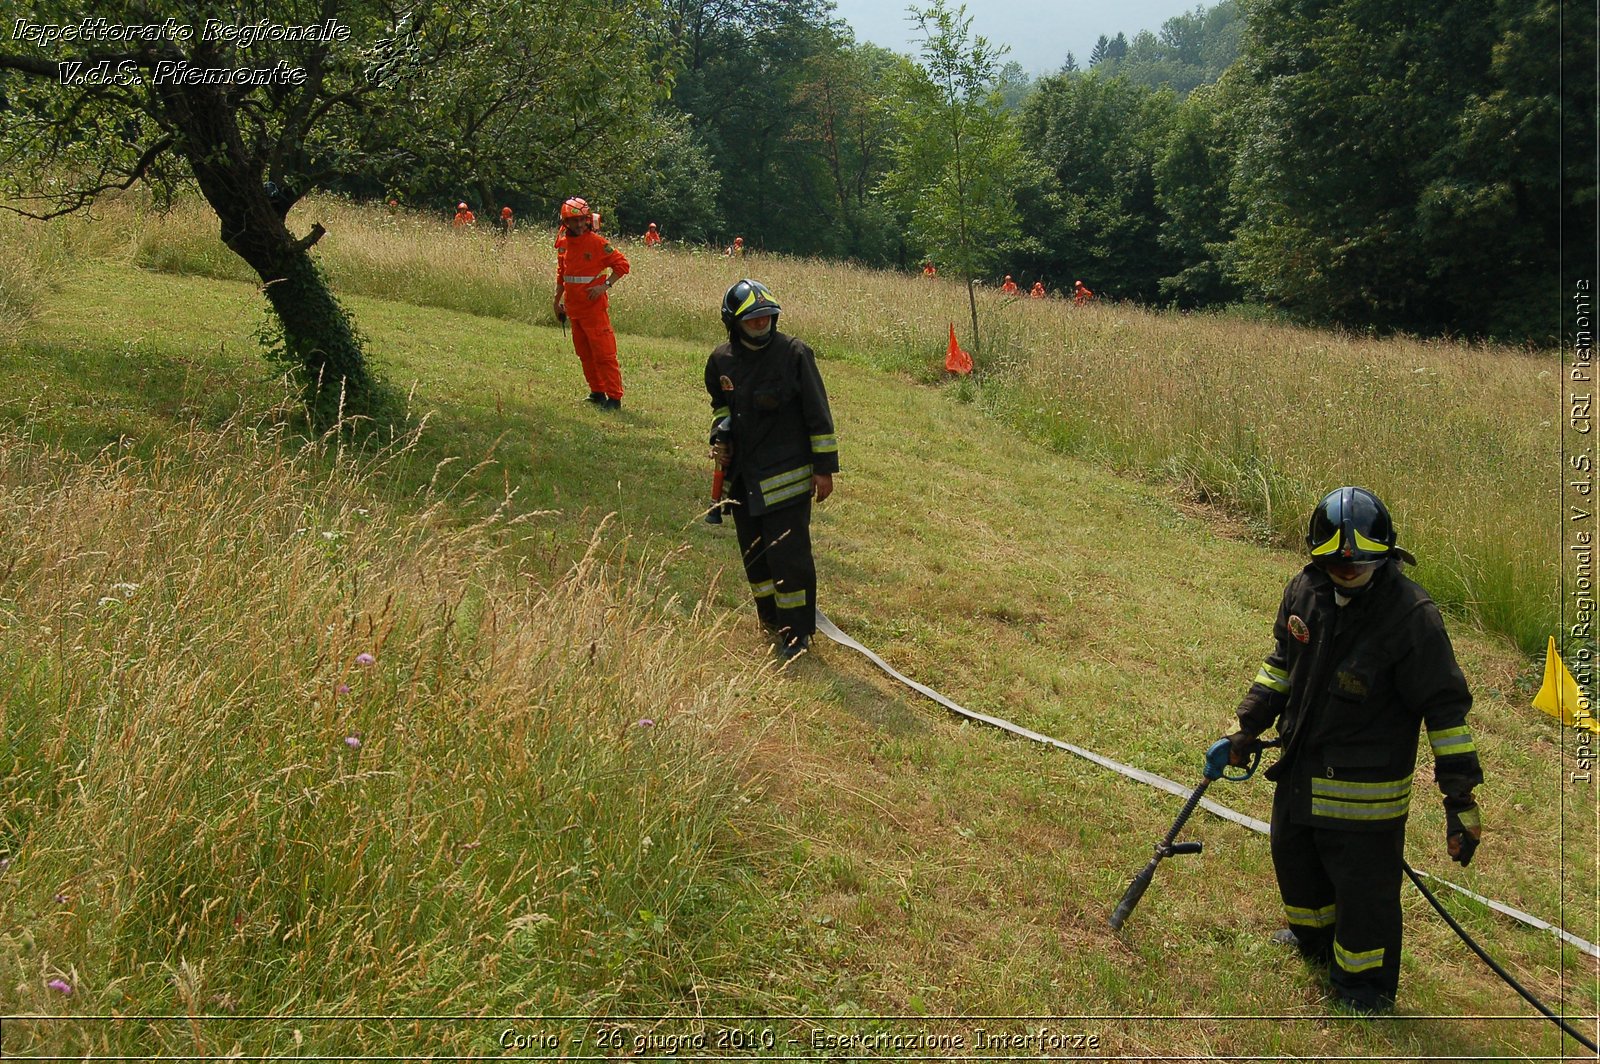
(782,428)
(1349,686)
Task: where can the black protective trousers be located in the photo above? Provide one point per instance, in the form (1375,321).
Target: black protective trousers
(1341,890)
(776,548)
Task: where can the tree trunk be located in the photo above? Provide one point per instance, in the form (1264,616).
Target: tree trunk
(319,340)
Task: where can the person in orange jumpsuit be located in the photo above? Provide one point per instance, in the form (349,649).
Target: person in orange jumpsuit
(1038,290)
(1081,293)
(737,251)
(652,236)
(507,223)
(464,216)
(1010,287)
(928,270)
(581,287)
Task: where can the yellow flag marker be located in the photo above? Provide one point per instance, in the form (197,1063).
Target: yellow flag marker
(1558,695)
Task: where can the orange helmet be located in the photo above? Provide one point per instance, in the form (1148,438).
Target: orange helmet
(505,212)
(576,207)
(461,206)
(1008,277)
(652,225)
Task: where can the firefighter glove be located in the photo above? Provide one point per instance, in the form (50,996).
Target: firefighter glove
(1463,829)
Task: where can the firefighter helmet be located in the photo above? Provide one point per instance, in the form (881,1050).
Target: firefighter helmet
(461,206)
(748,299)
(576,207)
(1351,529)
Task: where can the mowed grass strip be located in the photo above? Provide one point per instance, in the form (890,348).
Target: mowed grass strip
(906,863)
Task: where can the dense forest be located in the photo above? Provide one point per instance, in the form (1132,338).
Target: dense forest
(1365,165)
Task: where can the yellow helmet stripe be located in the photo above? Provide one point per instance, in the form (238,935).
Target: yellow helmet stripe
(749,301)
(1327,547)
(1370,544)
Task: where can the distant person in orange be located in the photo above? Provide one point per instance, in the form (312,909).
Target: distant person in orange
(1010,287)
(1081,293)
(507,223)
(1038,290)
(928,270)
(737,250)
(652,236)
(581,253)
(464,216)
(594,218)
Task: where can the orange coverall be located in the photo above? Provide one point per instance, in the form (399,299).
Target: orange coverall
(1010,287)
(652,236)
(1038,290)
(579,260)
(464,217)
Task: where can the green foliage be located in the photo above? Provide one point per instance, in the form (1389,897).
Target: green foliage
(313,339)
(1193,175)
(536,101)
(674,183)
(957,162)
(1097,218)
(1191,50)
(1394,173)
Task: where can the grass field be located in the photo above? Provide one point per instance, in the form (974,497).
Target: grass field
(191,833)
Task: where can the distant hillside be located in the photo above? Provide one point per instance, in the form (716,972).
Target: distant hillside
(1191,50)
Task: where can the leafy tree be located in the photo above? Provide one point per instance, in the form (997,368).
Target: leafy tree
(844,126)
(107,114)
(741,66)
(540,100)
(1192,49)
(1194,174)
(1395,169)
(958,161)
(672,182)
(1015,84)
(1098,219)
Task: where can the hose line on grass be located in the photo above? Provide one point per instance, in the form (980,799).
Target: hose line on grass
(1461,933)
(832,631)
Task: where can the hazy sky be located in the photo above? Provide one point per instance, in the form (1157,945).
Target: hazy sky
(1040,32)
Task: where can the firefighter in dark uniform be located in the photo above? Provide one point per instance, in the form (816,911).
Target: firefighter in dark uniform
(772,433)
(1361,661)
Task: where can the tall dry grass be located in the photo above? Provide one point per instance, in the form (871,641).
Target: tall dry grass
(1258,416)
(265,733)
(33,256)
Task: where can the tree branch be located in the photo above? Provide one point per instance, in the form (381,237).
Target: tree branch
(82,197)
(316,234)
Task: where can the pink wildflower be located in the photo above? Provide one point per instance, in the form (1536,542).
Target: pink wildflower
(343,689)
(61,986)
(364,658)
(353,741)
(645,723)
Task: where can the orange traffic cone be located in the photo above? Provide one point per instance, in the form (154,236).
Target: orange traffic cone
(957,360)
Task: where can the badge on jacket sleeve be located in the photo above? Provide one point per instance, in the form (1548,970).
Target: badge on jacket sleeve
(1298,629)
(727,385)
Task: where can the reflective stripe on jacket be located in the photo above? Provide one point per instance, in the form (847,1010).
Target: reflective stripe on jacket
(782,427)
(1349,687)
(580,262)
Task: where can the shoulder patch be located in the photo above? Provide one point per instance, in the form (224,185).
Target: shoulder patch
(727,385)
(1298,629)
(609,249)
